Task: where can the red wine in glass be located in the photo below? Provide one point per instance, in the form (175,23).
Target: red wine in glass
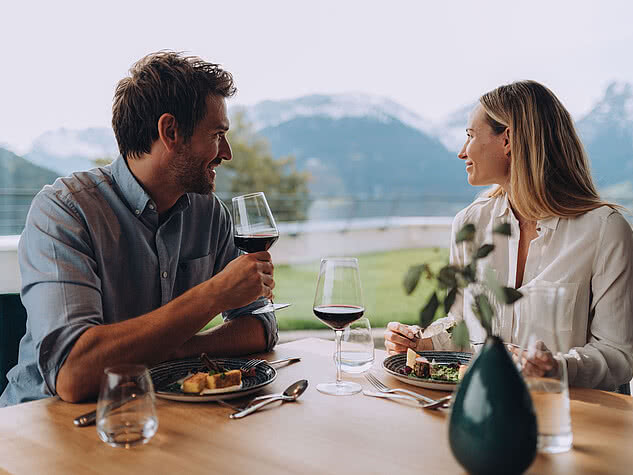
(254,229)
(337,303)
(255,242)
(337,317)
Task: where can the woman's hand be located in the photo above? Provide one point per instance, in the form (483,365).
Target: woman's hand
(399,337)
(537,361)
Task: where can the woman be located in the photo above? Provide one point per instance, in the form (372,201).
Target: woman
(522,139)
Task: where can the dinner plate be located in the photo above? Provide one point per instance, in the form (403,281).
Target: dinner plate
(167,378)
(392,364)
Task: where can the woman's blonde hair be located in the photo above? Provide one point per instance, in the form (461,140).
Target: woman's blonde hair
(549,173)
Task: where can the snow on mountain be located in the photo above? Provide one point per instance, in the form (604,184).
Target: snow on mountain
(65,151)
(272,113)
(451,130)
(614,110)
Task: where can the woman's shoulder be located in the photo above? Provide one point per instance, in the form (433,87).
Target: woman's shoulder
(604,222)
(604,215)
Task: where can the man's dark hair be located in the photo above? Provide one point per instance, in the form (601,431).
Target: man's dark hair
(159,83)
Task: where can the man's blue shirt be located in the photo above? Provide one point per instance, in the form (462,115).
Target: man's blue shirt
(94,251)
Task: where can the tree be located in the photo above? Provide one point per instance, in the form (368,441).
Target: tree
(253,168)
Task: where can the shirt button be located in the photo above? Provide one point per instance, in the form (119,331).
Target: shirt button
(137,212)
(164,274)
(151,206)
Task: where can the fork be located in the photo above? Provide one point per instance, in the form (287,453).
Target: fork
(441,403)
(379,385)
(250,364)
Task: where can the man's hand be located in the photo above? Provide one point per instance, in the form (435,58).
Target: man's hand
(244,280)
(537,361)
(399,337)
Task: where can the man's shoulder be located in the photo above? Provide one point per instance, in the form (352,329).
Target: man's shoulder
(76,187)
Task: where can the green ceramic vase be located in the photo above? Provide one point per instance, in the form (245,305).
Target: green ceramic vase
(492,427)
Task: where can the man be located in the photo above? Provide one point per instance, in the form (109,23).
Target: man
(126,263)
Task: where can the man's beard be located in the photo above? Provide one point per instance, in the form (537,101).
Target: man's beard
(190,174)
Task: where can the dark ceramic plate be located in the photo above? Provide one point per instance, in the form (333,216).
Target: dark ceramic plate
(167,378)
(393,364)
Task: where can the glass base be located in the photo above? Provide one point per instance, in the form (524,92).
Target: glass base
(343,388)
(554,444)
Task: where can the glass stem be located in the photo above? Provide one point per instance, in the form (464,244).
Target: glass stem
(337,335)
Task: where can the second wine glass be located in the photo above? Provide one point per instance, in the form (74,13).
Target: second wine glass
(337,303)
(254,228)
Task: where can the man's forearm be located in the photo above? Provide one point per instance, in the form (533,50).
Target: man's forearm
(241,336)
(147,339)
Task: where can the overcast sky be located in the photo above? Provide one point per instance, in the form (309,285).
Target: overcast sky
(61,60)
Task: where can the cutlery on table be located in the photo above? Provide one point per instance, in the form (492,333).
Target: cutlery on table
(381,387)
(254,362)
(438,404)
(291,394)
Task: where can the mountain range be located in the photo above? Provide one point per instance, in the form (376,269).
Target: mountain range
(368,146)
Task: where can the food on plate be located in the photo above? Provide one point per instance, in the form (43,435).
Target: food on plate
(195,383)
(419,367)
(445,371)
(422,367)
(218,379)
(224,379)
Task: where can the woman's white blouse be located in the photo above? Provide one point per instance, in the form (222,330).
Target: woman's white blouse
(592,255)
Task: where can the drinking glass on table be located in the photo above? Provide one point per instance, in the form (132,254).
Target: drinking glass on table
(540,317)
(254,228)
(357,347)
(337,303)
(126,415)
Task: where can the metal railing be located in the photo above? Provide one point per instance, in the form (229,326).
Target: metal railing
(15,203)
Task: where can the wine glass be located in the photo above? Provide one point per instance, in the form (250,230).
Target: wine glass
(254,228)
(337,303)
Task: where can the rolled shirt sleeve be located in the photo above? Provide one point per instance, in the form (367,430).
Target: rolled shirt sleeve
(60,285)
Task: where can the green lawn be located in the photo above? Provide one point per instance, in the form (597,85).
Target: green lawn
(381,277)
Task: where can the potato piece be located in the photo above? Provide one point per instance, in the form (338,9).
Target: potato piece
(195,383)
(224,380)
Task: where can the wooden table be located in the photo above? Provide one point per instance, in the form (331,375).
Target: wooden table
(317,434)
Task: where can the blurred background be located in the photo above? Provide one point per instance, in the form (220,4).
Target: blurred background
(349,114)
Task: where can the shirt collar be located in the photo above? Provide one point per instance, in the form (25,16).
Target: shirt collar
(550,223)
(131,189)
(503,209)
(503,206)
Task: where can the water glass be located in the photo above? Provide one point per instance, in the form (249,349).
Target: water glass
(540,317)
(357,347)
(126,413)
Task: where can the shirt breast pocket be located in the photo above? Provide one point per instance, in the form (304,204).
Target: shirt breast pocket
(192,272)
(538,312)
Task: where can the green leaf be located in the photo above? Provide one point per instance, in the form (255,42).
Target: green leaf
(510,295)
(493,284)
(428,312)
(486,312)
(503,228)
(467,233)
(469,273)
(412,278)
(484,250)
(447,277)
(450,299)
(460,335)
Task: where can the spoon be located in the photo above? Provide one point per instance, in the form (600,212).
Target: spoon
(291,394)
